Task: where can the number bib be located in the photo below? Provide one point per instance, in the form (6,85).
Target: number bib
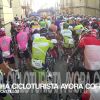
(37,64)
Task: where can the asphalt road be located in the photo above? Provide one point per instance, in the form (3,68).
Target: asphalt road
(59,67)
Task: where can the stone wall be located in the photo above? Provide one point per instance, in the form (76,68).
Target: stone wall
(84,7)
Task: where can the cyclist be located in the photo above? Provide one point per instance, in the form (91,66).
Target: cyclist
(88,45)
(3,66)
(22,44)
(40,47)
(5,69)
(53,28)
(7,48)
(77,31)
(66,24)
(67,39)
(44,32)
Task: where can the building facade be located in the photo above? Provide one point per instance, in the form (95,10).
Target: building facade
(83,7)
(17,8)
(11,8)
(6,14)
(27,7)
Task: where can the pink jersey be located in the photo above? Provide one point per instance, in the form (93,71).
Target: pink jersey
(5,46)
(22,40)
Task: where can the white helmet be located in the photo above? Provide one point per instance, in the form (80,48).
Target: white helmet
(17,24)
(70,27)
(2,29)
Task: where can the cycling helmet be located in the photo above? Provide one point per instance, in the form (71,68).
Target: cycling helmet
(36,31)
(19,27)
(43,30)
(65,25)
(95,25)
(70,27)
(17,24)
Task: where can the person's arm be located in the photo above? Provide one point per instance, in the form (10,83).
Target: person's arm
(3,66)
(76,51)
(79,48)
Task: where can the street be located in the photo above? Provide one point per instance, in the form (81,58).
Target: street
(59,67)
(43,33)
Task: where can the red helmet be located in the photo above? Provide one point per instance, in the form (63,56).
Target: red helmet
(86,95)
(2,32)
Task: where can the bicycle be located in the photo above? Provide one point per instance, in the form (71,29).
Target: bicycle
(73,65)
(50,61)
(22,63)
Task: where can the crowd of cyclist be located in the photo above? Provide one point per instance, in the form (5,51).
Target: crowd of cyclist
(36,35)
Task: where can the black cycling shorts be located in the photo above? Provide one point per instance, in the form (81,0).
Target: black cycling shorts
(10,60)
(25,54)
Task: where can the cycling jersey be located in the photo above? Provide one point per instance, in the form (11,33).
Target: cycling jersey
(40,47)
(22,40)
(5,43)
(66,32)
(57,23)
(43,24)
(95,93)
(78,29)
(91,47)
(68,40)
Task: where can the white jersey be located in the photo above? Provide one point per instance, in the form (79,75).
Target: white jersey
(67,33)
(95,93)
(92,57)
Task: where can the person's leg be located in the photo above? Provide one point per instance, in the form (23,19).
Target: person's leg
(19,59)
(12,63)
(28,59)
